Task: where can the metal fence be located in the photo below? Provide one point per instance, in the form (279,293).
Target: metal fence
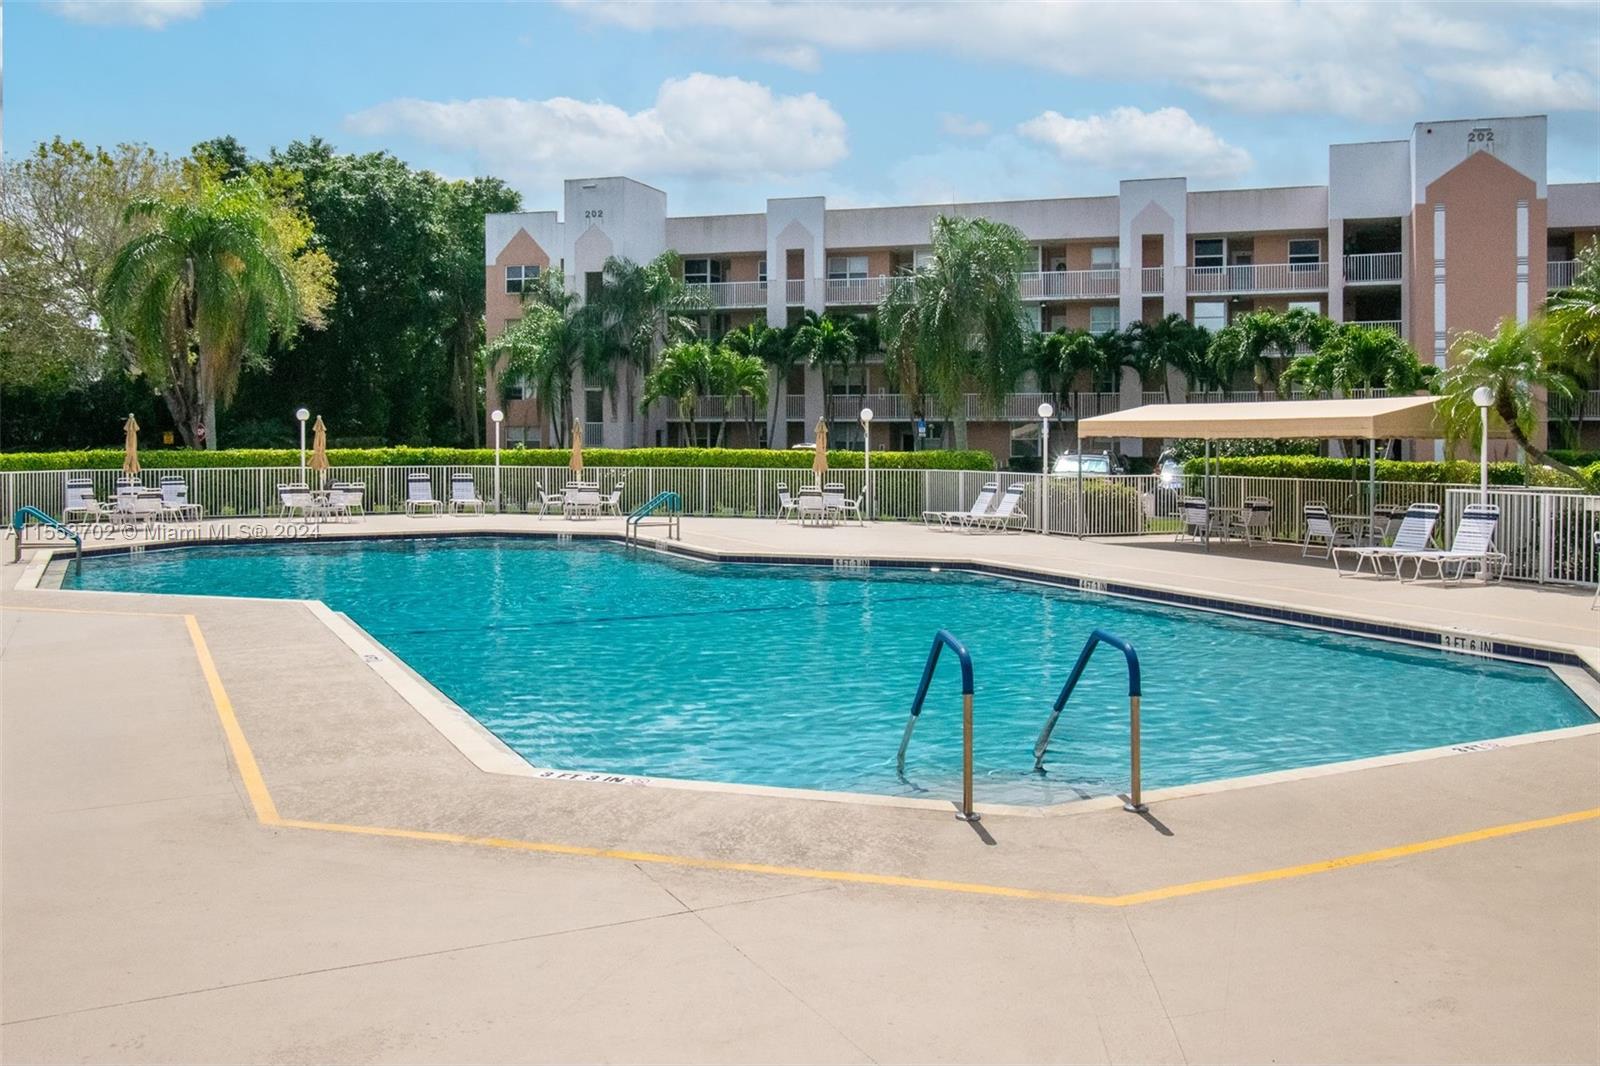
(1547,535)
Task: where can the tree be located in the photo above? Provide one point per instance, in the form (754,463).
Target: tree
(956,321)
(1359,357)
(1572,319)
(1515,367)
(737,377)
(204,290)
(642,308)
(681,374)
(829,344)
(552,341)
(1173,343)
(461,208)
(772,347)
(1256,343)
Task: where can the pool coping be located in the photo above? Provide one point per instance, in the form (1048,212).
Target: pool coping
(489,754)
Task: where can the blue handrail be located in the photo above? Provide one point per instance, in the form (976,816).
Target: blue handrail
(674,509)
(941,640)
(656,501)
(20,520)
(1096,638)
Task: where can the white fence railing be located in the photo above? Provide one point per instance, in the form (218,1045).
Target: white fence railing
(1071,284)
(724,294)
(1560,273)
(1380,323)
(1547,535)
(1585,407)
(1260,277)
(1372,266)
(1152,280)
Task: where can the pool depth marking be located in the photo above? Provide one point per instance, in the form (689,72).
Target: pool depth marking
(267,814)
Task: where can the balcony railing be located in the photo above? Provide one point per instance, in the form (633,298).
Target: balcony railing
(1379,323)
(1372,267)
(794,291)
(1014,407)
(794,407)
(847,291)
(1071,284)
(717,409)
(1259,277)
(729,294)
(1152,280)
(1561,273)
(1584,407)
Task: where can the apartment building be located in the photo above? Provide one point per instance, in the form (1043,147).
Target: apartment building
(1452,228)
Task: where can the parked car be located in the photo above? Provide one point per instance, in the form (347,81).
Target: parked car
(1071,464)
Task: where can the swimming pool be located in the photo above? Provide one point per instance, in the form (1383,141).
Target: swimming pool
(587,656)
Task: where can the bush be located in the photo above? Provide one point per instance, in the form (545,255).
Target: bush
(170,458)
(1575,458)
(1322,468)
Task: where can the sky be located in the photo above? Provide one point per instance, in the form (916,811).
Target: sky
(725,104)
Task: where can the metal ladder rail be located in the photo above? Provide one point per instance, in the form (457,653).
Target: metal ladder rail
(1096,638)
(20,520)
(941,640)
(668,499)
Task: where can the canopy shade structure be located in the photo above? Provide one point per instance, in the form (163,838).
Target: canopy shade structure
(1374,419)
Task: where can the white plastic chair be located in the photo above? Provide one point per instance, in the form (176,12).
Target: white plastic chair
(347,498)
(1472,544)
(464,494)
(1254,521)
(980,506)
(1320,528)
(1196,522)
(1416,533)
(1007,516)
(175,500)
(612,501)
(810,508)
(81,501)
(837,505)
(419,495)
(787,507)
(548,501)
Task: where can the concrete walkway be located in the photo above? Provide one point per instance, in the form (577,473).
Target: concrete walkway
(150,915)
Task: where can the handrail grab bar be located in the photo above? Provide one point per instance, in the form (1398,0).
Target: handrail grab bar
(1096,638)
(941,640)
(19,520)
(668,499)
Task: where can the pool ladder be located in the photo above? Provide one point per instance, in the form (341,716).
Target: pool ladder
(1097,638)
(673,504)
(20,520)
(941,640)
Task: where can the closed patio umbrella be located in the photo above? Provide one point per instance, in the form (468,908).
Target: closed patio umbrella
(319,451)
(576,462)
(130,446)
(819,461)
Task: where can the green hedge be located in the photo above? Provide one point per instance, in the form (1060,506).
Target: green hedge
(170,458)
(1455,472)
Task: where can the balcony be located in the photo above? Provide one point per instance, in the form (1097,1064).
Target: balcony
(1560,273)
(794,291)
(1071,284)
(845,292)
(794,406)
(725,295)
(1584,407)
(1014,407)
(1380,268)
(1152,281)
(1258,278)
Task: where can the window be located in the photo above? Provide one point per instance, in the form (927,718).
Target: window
(523,389)
(1103,257)
(761,273)
(1104,318)
(1314,306)
(702,271)
(1212,315)
(1210,252)
(521,278)
(593,282)
(921,258)
(594,405)
(1305,254)
(847,267)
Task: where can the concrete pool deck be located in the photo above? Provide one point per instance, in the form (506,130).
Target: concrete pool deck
(151,913)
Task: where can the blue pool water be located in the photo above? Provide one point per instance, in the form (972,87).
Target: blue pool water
(586,656)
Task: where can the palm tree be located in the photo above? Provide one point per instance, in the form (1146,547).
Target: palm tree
(770,346)
(737,377)
(956,322)
(554,339)
(1254,343)
(1572,318)
(201,292)
(1176,343)
(1514,367)
(682,374)
(1359,357)
(642,308)
(829,344)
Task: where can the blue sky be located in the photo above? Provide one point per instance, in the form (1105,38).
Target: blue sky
(724,104)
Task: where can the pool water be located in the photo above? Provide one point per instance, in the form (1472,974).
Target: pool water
(587,656)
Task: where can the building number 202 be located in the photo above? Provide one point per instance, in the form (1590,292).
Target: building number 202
(1480,136)
(596,213)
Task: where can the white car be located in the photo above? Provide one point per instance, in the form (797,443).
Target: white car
(1073,465)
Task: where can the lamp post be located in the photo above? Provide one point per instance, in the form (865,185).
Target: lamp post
(497,417)
(1045,411)
(866,446)
(302,415)
(1483,397)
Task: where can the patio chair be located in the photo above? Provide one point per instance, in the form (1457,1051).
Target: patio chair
(1473,544)
(1321,530)
(1385,524)
(175,500)
(787,507)
(296,499)
(1007,516)
(1254,521)
(548,501)
(810,508)
(1196,522)
(833,498)
(146,506)
(581,501)
(464,494)
(347,498)
(980,506)
(611,503)
(81,501)
(419,495)
(1416,532)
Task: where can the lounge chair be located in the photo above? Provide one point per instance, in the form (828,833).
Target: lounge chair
(1473,545)
(1416,532)
(980,506)
(175,500)
(464,494)
(787,507)
(548,501)
(1320,528)
(1007,516)
(81,501)
(419,495)
(1254,520)
(1196,522)
(833,499)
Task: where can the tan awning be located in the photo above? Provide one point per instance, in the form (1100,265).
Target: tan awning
(1375,419)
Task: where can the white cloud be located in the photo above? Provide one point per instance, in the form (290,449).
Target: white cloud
(961,126)
(146,14)
(797,56)
(1167,141)
(1361,58)
(698,126)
